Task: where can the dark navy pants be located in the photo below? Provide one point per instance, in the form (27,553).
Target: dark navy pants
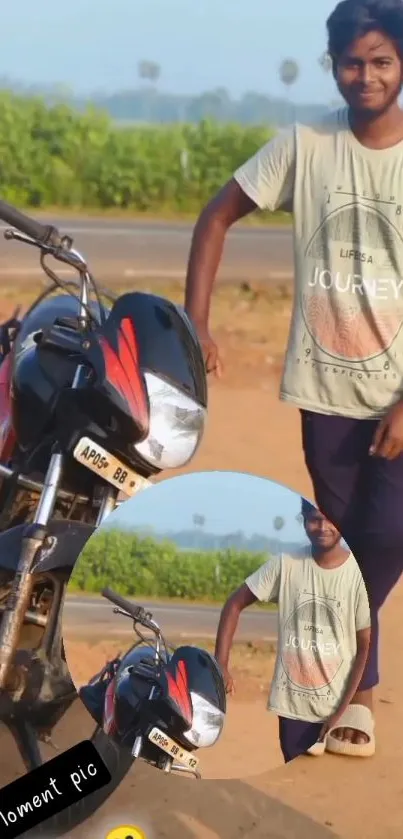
(363,497)
(296,737)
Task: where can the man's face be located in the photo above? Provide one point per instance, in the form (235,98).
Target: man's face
(369,74)
(321,533)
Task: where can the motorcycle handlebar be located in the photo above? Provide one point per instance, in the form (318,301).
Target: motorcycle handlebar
(46,234)
(135,612)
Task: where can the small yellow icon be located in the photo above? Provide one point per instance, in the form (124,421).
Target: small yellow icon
(126,831)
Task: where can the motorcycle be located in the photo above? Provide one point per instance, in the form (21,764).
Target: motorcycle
(98,395)
(161,704)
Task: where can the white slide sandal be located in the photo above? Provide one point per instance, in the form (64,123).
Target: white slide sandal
(359,718)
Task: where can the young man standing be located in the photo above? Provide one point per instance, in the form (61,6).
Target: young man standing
(343,181)
(323,638)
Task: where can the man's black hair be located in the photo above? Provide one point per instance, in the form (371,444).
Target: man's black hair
(352,19)
(307,508)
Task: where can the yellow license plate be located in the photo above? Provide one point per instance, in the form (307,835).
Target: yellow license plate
(112,470)
(160,739)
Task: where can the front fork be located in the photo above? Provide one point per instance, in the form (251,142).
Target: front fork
(19,597)
(34,538)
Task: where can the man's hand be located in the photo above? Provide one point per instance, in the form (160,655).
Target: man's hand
(388,438)
(330,723)
(210,352)
(229,682)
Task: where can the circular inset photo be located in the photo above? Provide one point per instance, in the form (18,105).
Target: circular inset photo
(215,626)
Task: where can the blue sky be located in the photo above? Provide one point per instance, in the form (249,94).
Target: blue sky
(230,501)
(236,44)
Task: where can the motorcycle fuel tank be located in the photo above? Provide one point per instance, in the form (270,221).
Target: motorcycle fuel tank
(33,388)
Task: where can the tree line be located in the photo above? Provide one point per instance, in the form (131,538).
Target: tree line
(200,539)
(146,102)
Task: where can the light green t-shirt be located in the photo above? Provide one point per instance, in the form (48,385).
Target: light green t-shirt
(345,347)
(319,613)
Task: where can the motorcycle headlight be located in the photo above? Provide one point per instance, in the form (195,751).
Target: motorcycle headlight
(208,722)
(176,425)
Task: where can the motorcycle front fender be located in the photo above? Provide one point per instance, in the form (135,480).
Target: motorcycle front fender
(63,546)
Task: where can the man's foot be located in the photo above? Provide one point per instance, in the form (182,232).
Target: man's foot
(363,697)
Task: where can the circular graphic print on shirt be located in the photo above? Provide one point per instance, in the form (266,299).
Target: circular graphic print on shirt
(312,648)
(352,300)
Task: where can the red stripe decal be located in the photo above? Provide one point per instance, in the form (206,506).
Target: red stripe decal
(179,690)
(122,371)
(109,725)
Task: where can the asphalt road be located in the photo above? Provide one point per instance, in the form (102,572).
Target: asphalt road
(94,616)
(118,250)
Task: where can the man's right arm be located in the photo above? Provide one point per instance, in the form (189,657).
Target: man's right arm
(265,181)
(230,614)
(227,207)
(263,585)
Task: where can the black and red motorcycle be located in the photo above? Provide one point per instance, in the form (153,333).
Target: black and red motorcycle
(160,704)
(97,395)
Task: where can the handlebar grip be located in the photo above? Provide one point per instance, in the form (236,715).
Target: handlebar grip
(136,612)
(46,234)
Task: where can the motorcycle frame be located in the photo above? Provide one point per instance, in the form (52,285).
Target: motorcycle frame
(34,539)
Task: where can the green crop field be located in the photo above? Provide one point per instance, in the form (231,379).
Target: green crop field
(143,567)
(57,157)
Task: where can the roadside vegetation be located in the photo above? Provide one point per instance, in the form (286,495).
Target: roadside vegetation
(142,567)
(57,157)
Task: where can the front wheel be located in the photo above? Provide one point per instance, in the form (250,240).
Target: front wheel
(118,761)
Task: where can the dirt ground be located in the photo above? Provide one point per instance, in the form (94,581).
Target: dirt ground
(249,430)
